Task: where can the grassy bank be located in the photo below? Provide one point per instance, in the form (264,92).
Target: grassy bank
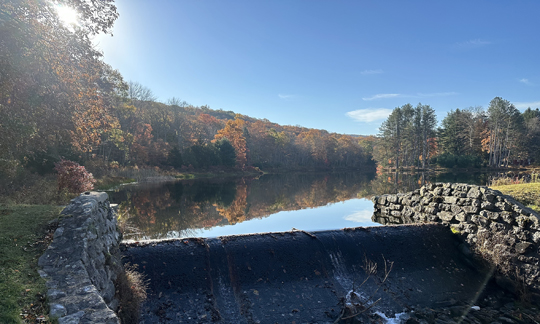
(109,182)
(25,233)
(526,193)
(201,175)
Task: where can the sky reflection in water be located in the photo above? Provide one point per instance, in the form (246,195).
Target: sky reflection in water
(350,213)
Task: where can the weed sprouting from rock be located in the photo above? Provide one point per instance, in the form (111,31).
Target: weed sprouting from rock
(131,287)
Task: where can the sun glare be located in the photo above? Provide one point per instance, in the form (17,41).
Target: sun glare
(67,15)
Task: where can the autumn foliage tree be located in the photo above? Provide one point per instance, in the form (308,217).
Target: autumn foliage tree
(54,85)
(73,177)
(234,132)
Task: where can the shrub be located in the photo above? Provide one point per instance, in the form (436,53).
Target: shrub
(73,177)
(131,287)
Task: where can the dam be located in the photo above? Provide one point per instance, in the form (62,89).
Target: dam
(427,269)
(300,277)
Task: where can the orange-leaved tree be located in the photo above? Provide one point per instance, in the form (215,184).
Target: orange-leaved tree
(234,132)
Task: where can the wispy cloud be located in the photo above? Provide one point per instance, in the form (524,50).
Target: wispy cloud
(474,43)
(286,96)
(368,72)
(525,105)
(382,96)
(369,115)
(418,95)
(526,81)
(359,216)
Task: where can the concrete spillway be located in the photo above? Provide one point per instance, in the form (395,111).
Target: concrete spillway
(298,277)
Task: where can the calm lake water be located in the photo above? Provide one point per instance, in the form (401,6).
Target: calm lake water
(269,203)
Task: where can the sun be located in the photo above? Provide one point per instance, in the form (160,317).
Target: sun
(67,15)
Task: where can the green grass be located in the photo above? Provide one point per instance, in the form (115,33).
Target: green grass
(185,176)
(202,175)
(109,182)
(526,193)
(23,231)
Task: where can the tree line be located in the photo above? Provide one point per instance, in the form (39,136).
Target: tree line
(60,100)
(500,136)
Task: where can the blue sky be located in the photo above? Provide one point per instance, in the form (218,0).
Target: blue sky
(335,65)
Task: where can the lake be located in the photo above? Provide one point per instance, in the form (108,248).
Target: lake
(268,203)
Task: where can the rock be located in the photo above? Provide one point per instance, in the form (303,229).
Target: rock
(450,200)
(486,205)
(455,209)
(446,216)
(55,294)
(479,220)
(522,247)
(57,310)
(489,197)
(503,206)
(462,217)
(71,319)
(471,209)
(474,193)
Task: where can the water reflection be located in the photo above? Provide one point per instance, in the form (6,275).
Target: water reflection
(203,207)
(208,207)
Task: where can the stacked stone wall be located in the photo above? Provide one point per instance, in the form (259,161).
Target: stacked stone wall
(83,261)
(486,219)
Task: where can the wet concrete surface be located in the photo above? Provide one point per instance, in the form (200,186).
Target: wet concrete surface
(299,277)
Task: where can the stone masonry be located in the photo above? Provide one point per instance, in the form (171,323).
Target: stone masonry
(83,261)
(486,220)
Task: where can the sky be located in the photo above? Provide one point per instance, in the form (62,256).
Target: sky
(335,65)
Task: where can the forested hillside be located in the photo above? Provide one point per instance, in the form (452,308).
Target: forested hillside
(150,133)
(59,100)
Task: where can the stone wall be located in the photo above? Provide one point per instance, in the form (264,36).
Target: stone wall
(83,261)
(494,225)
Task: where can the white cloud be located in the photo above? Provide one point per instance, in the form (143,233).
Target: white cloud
(359,216)
(285,96)
(381,96)
(369,115)
(367,72)
(525,105)
(525,81)
(474,43)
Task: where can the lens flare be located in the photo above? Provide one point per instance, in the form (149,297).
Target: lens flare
(67,15)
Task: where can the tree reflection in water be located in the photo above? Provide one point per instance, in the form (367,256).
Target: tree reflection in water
(180,209)
(185,208)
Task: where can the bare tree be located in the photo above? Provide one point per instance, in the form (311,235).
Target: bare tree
(137,91)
